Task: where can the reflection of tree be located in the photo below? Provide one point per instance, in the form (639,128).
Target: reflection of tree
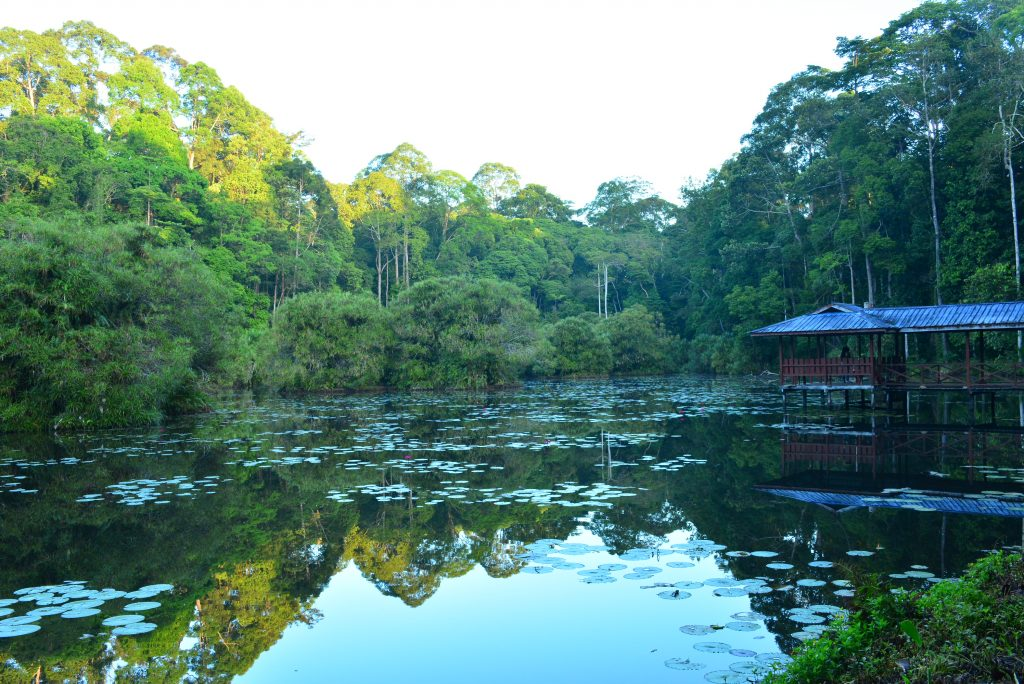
(258,552)
(500,559)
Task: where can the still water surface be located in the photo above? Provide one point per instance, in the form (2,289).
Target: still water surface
(672,529)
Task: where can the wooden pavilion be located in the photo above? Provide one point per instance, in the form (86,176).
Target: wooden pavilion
(810,358)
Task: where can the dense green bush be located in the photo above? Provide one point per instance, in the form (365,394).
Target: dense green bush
(457,332)
(105,326)
(330,340)
(639,343)
(969,630)
(580,347)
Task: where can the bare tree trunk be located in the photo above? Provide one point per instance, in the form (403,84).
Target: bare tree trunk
(849,267)
(605,291)
(870,272)
(1008,134)
(599,291)
(380,296)
(935,222)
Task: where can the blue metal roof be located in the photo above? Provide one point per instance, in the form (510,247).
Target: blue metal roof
(846,318)
(944,502)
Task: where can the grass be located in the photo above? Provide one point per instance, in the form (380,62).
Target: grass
(954,632)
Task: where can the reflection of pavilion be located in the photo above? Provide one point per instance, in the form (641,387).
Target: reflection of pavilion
(941,468)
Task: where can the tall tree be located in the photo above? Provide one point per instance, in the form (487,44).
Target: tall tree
(497,182)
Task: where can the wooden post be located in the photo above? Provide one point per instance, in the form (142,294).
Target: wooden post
(981,357)
(871,353)
(967,357)
(781,366)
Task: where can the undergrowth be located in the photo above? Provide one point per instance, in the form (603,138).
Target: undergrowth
(954,632)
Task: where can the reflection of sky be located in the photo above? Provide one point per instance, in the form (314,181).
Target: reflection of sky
(540,628)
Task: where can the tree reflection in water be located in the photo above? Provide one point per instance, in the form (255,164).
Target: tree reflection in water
(251,511)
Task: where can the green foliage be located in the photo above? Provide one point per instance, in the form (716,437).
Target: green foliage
(971,628)
(638,342)
(456,332)
(886,180)
(580,346)
(329,341)
(104,326)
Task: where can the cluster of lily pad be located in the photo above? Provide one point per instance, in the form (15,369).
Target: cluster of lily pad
(567,494)
(72,600)
(156,491)
(751,668)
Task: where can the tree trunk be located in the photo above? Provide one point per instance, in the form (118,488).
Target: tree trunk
(605,291)
(935,221)
(380,292)
(849,267)
(1008,131)
(870,273)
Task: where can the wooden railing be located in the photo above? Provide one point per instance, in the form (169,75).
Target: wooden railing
(994,375)
(836,371)
(895,373)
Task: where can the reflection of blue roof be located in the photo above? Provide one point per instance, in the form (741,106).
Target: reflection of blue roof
(847,318)
(942,503)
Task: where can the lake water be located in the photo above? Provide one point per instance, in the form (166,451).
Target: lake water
(658,530)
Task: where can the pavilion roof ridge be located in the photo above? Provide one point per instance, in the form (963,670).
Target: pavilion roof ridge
(845,318)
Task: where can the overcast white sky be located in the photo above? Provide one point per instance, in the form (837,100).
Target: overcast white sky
(569,93)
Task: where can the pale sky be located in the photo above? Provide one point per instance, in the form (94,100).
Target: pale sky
(570,93)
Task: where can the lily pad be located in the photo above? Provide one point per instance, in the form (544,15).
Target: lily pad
(613,567)
(80,613)
(773,658)
(9,631)
(19,620)
(134,629)
(748,616)
(696,630)
(810,583)
(121,620)
(731,592)
(726,677)
(674,595)
(47,610)
(741,626)
(860,553)
(84,603)
(749,667)
(779,566)
(806,618)
(821,564)
(712,647)
(683,664)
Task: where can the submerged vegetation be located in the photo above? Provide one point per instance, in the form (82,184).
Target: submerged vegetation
(968,630)
(161,237)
